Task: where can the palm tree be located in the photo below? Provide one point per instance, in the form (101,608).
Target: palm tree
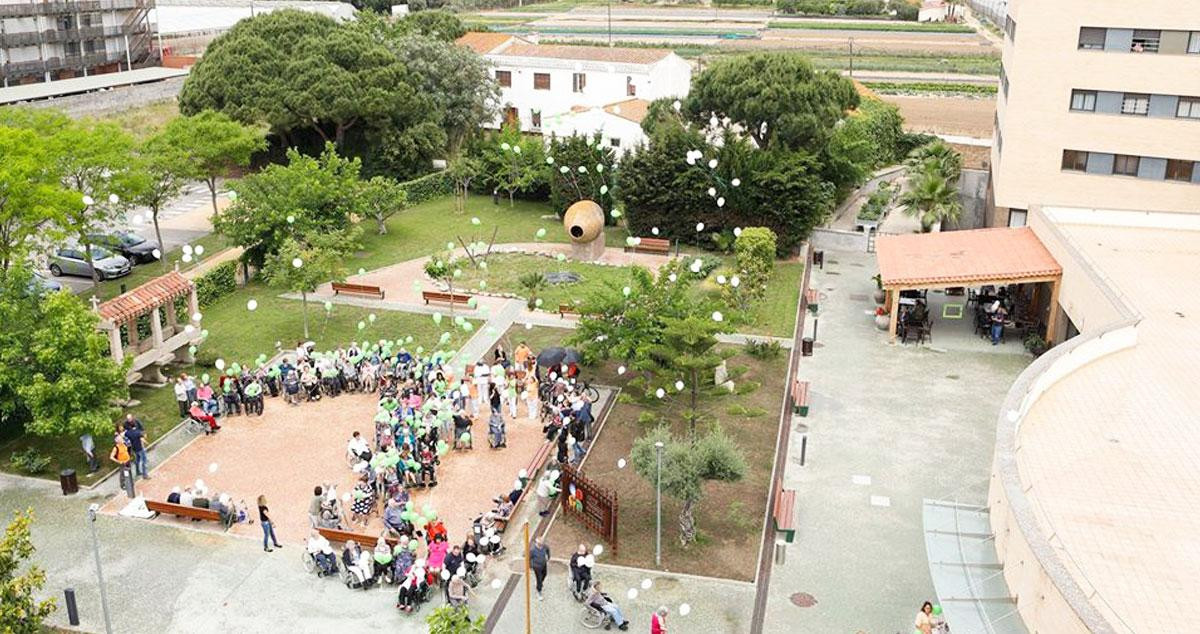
(932,199)
(936,155)
(532,283)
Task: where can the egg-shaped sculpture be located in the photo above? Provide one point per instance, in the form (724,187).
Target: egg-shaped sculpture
(584,221)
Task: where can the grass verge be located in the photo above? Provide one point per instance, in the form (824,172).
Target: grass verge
(931,88)
(914,27)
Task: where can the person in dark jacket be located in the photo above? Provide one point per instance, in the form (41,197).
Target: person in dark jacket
(539,559)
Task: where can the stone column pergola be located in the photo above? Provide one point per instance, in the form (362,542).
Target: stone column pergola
(152,298)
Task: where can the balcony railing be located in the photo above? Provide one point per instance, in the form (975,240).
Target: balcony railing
(69,6)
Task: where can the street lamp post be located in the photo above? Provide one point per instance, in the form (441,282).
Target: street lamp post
(851,57)
(658,447)
(91,516)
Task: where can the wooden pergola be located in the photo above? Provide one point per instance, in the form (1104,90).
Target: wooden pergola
(976,257)
(168,341)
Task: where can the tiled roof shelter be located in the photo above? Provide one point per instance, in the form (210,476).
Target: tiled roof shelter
(156,299)
(974,257)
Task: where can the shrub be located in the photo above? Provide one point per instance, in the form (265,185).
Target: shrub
(907,12)
(864,7)
(754,253)
(428,187)
(763,349)
(649,419)
(748,387)
(219,281)
(877,203)
(29,461)
(910,141)
(440,266)
(707,264)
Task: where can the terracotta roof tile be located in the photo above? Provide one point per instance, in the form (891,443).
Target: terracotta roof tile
(961,258)
(588,53)
(631,109)
(145,298)
(483,43)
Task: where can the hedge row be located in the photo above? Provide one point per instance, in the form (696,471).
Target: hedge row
(428,187)
(218,282)
(904,11)
(899,87)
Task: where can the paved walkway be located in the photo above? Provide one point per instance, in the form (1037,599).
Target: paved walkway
(889,426)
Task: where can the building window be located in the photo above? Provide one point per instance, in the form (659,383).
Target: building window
(510,115)
(1017,217)
(541,81)
(535,119)
(578,82)
(1180,170)
(1194,43)
(1004,81)
(89,47)
(1145,41)
(614,141)
(1134,103)
(630,89)
(1074,161)
(1084,100)
(1126,165)
(504,78)
(1091,38)
(1010,28)
(1189,108)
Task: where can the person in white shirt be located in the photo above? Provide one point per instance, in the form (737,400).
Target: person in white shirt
(322,553)
(181,396)
(358,447)
(482,378)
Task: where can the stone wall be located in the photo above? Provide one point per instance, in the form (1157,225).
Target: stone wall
(113,100)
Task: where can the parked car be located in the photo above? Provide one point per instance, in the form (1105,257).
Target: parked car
(39,282)
(71,261)
(134,247)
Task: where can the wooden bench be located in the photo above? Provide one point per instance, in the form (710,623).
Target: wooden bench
(800,397)
(811,299)
(784,511)
(448,298)
(179,510)
(567,309)
(531,483)
(366,541)
(650,245)
(357,289)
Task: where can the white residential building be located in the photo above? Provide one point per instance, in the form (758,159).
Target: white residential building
(618,124)
(539,81)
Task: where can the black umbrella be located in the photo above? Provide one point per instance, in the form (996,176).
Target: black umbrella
(572,357)
(550,357)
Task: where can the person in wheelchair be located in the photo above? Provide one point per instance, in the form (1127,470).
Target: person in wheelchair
(291,388)
(322,553)
(312,387)
(412,589)
(403,559)
(457,591)
(383,561)
(196,413)
(358,563)
(604,603)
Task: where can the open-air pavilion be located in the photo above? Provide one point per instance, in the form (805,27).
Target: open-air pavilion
(168,342)
(973,267)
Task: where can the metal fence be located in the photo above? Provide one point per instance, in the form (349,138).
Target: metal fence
(993,11)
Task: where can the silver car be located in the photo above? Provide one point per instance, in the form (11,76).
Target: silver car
(71,261)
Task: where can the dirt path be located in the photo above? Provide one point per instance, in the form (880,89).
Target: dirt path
(946,115)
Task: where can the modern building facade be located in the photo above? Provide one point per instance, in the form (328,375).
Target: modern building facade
(540,81)
(61,39)
(1099,107)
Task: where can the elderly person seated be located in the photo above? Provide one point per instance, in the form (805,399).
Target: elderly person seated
(196,412)
(457,591)
(321,552)
(403,558)
(392,520)
(382,557)
(454,560)
(604,603)
(360,564)
(357,448)
(412,588)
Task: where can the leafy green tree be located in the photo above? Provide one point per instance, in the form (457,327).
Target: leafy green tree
(55,370)
(305,262)
(687,464)
(20,611)
(777,98)
(383,198)
(936,156)
(213,145)
(33,200)
(513,162)
(582,168)
(161,172)
(463,170)
(318,195)
(685,352)
(438,25)
(754,255)
(931,199)
(448,619)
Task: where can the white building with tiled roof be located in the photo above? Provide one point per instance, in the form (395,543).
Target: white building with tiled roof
(618,124)
(539,81)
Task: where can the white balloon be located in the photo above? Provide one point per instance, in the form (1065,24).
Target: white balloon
(114,199)
(156,253)
(621,370)
(291,219)
(737,232)
(660,392)
(626,291)
(597,550)
(684,609)
(445,575)
(699,227)
(632,594)
(189,329)
(252,304)
(186,257)
(712,191)
(87,200)
(678,105)
(589,561)
(480,558)
(696,264)
(735,182)
(717,316)
(346,497)
(219,364)
(654,230)
(621,463)
(735,281)
(672,277)
(196,316)
(720,279)
(691,161)
(712,163)
(496,584)
(646,583)
(297,262)
(187,249)
(679,385)
(212,468)
(199,250)
(721,201)
(471,557)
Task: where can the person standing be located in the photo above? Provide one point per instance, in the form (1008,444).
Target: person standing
(267,528)
(658,621)
(924,620)
(539,559)
(181,396)
(136,438)
(89,450)
(120,455)
(189,385)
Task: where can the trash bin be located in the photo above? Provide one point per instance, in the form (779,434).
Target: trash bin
(818,259)
(68,481)
(806,346)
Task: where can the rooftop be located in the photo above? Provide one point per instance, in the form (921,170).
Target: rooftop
(484,43)
(631,109)
(588,53)
(1109,454)
(963,258)
(63,87)
(145,298)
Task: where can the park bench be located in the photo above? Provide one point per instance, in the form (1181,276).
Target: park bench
(179,510)
(567,309)
(784,511)
(530,487)
(366,541)
(441,296)
(811,299)
(357,289)
(800,396)
(650,245)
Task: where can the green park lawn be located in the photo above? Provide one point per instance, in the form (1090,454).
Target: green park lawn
(142,273)
(238,334)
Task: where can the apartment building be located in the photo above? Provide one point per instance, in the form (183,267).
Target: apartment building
(60,39)
(540,81)
(1099,106)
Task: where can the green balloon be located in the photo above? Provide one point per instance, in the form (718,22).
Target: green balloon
(408,506)
(412,546)
(204,378)
(437,318)
(191,349)
(465,437)
(431,515)
(937,608)
(468,326)
(442,447)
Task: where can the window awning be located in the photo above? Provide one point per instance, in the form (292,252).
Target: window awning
(964,258)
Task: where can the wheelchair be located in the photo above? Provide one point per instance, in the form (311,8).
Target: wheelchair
(594,618)
(422,598)
(311,567)
(195,426)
